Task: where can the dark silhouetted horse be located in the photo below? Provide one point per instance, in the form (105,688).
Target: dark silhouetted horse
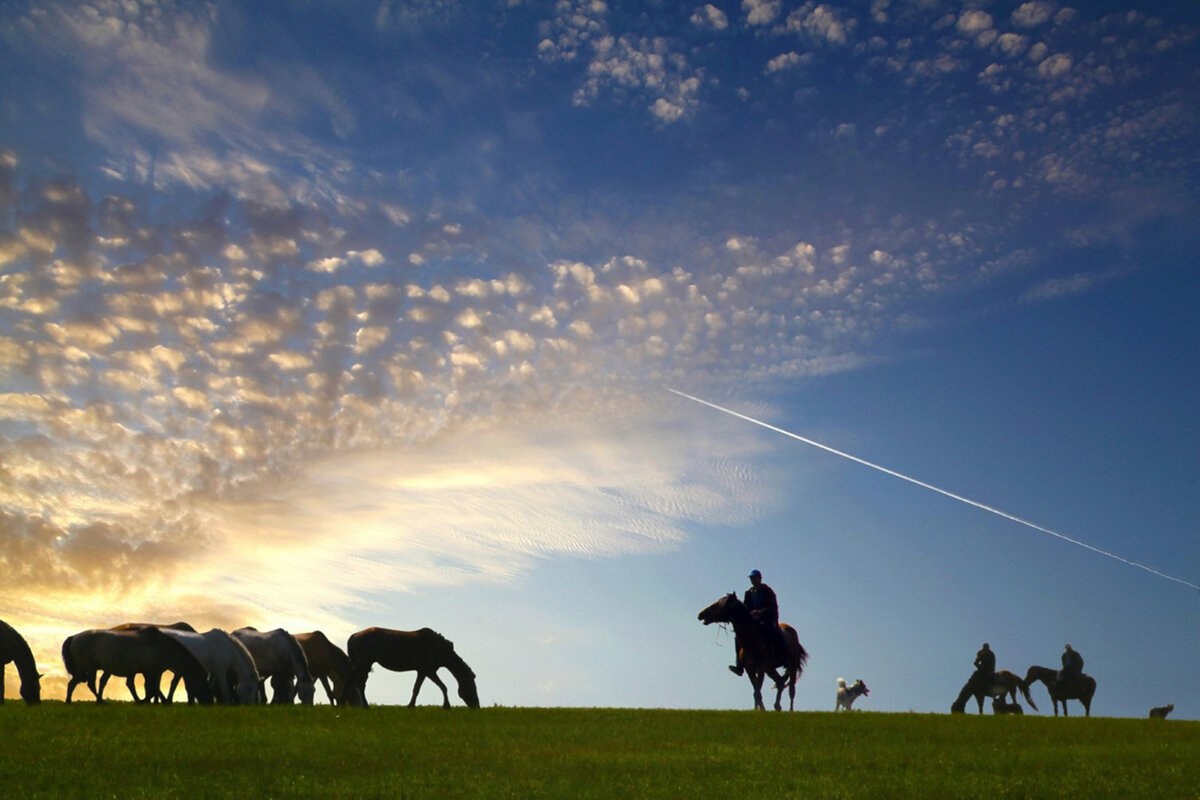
(997,685)
(1081,688)
(148,652)
(424,651)
(757,654)
(329,663)
(278,656)
(137,626)
(14,648)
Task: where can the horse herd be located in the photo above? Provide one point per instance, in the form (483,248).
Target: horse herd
(235,667)
(760,659)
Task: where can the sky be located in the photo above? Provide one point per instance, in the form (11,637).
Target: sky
(327,315)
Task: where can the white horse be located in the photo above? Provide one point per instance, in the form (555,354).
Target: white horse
(279,657)
(846,695)
(228,662)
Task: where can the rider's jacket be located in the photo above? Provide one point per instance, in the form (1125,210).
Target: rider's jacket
(763,604)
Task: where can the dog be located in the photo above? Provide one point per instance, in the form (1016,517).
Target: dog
(1162,711)
(1001,707)
(846,695)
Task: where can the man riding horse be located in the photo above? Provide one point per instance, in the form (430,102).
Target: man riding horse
(1072,666)
(764,608)
(985,661)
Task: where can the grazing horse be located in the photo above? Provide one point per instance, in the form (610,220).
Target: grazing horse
(14,648)
(278,656)
(1081,688)
(137,626)
(227,661)
(997,685)
(149,652)
(425,651)
(756,652)
(328,662)
(846,695)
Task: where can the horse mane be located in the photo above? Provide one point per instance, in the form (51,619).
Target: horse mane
(23,656)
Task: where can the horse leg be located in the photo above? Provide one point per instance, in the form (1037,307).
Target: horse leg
(1,683)
(152,681)
(756,681)
(329,691)
(416,689)
(438,682)
(175,678)
(129,684)
(99,692)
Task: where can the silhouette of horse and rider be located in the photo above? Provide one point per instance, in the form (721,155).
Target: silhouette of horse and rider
(1068,683)
(762,643)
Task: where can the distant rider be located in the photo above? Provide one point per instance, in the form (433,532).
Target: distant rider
(764,609)
(985,661)
(1072,665)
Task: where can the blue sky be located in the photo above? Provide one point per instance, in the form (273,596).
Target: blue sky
(328,315)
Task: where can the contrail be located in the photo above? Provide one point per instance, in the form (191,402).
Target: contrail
(933,488)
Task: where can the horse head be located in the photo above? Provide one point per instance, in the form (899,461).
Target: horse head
(467,691)
(720,611)
(31,690)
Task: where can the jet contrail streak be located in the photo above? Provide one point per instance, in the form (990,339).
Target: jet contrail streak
(932,488)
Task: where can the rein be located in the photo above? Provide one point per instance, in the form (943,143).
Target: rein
(722,632)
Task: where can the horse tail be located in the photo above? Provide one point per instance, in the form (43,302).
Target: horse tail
(67,656)
(1025,691)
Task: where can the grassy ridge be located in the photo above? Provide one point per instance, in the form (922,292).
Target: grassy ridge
(120,750)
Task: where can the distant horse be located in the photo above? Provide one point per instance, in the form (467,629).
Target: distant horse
(1160,712)
(137,626)
(756,651)
(846,695)
(1081,688)
(278,656)
(227,661)
(998,684)
(149,652)
(328,662)
(14,648)
(424,650)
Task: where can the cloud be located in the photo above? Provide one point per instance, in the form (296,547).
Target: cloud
(1033,14)
(709,16)
(761,12)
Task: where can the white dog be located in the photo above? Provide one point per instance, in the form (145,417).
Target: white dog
(846,695)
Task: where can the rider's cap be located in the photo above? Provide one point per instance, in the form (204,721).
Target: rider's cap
(755,573)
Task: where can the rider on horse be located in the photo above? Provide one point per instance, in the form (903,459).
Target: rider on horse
(1072,665)
(764,608)
(985,661)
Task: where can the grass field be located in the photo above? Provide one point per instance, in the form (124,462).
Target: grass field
(125,751)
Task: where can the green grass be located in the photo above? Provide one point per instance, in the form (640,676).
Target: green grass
(125,751)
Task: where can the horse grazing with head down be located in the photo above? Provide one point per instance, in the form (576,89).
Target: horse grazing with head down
(278,656)
(327,662)
(227,661)
(1081,688)
(997,685)
(14,648)
(425,651)
(149,651)
(757,654)
(137,626)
